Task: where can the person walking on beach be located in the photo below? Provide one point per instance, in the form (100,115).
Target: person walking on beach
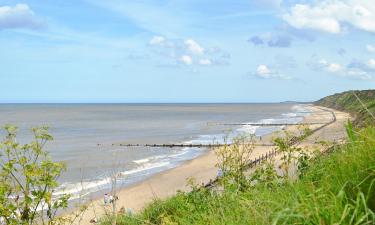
(106,199)
(220,173)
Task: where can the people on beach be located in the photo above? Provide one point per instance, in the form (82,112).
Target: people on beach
(109,199)
(106,199)
(220,173)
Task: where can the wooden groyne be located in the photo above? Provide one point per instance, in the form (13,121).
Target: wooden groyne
(294,141)
(182,145)
(270,124)
(253,163)
(271,154)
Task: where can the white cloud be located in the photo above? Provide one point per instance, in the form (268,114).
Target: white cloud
(329,67)
(205,62)
(358,74)
(264,72)
(303,16)
(331,15)
(194,47)
(370,48)
(186,59)
(351,71)
(334,67)
(371,64)
(187,51)
(157,40)
(18,16)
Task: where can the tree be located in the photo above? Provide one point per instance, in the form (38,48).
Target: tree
(28,179)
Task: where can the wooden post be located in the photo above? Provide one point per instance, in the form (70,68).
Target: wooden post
(114,200)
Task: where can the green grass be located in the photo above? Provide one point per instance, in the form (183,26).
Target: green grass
(338,188)
(347,101)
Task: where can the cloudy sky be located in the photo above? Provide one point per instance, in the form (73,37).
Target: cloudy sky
(184,50)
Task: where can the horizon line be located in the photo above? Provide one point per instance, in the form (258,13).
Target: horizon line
(305,102)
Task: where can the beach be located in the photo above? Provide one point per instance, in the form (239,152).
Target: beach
(203,168)
(92,139)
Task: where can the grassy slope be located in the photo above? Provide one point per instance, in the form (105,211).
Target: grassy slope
(337,188)
(346,101)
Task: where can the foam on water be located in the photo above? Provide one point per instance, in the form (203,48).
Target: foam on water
(78,190)
(146,167)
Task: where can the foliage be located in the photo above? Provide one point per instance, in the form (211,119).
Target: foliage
(28,178)
(285,145)
(304,162)
(348,101)
(233,159)
(291,154)
(266,175)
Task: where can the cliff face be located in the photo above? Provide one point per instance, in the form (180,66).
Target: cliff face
(348,102)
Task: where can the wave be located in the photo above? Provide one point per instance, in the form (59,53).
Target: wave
(82,189)
(289,115)
(146,167)
(296,116)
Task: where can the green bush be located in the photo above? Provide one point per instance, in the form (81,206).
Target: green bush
(28,178)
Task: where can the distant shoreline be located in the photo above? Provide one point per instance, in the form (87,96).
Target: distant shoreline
(149,103)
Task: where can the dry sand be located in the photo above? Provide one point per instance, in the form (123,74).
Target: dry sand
(203,169)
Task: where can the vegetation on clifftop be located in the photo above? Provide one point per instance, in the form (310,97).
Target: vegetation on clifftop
(348,102)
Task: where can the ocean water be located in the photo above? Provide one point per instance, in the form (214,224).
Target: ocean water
(87,136)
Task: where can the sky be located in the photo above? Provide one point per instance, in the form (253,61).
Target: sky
(130,51)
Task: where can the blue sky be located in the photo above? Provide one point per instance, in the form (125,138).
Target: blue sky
(184,50)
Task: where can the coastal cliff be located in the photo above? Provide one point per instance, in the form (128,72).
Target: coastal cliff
(361,104)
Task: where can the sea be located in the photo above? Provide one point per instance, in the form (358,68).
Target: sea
(87,137)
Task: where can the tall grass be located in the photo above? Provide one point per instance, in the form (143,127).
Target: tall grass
(337,188)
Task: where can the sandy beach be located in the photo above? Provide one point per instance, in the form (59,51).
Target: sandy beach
(203,168)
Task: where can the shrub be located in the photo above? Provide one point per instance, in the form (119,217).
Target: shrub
(28,178)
